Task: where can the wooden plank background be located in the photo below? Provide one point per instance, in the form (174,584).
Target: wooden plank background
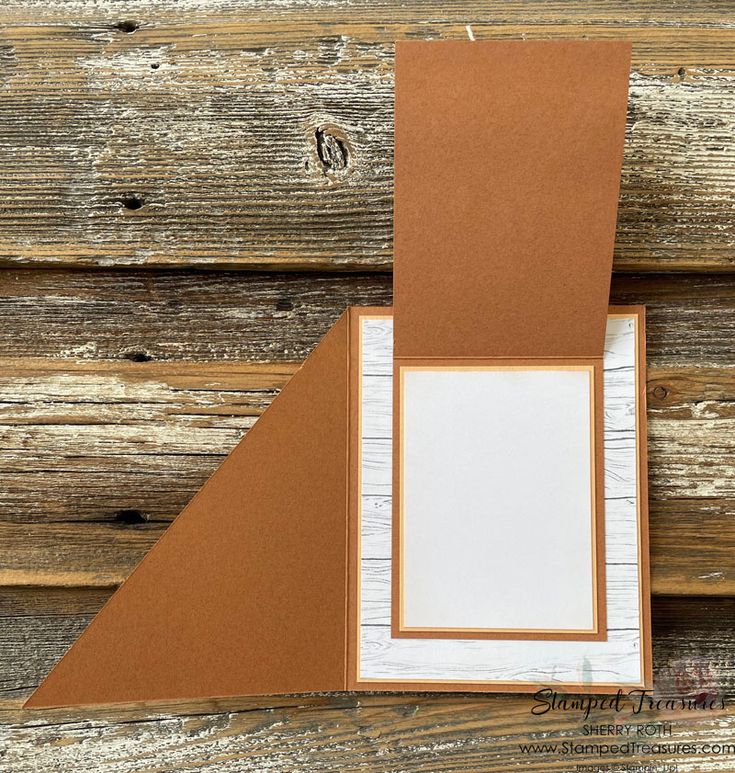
(141,143)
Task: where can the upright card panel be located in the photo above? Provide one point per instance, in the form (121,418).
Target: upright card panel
(507,168)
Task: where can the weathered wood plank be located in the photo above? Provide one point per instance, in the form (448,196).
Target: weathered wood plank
(437,734)
(692,655)
(178,134)
(691,447)
(100,452)
(175,315)
(99,457)
(185,12)
(221,316)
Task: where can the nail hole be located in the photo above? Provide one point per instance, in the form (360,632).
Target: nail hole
(660,392)
(127,26)
(155,66)
(131,201)
(130,517)
(283,304)
(681,72)
(138,356)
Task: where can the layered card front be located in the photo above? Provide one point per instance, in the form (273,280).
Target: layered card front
(499,508)
(380,660)
(450,494)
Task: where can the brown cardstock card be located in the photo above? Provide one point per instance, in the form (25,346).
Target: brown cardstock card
(255,587)
(507,169)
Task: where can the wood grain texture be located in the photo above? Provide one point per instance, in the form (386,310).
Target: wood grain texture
(645,13)
(101,451)
(693,646)
(227,135)
(279,317)
(437,734)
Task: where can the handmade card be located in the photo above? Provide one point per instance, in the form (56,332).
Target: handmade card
(436,481)
(276,578)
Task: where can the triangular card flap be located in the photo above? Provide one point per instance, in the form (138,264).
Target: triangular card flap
(507,170)
(245,592)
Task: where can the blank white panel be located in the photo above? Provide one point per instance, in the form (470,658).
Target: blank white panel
(497,499)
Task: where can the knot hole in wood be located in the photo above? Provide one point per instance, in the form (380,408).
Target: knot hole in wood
(132,201)
(127,26)
(130,517)
(660,392)
(138,356)
(332,149)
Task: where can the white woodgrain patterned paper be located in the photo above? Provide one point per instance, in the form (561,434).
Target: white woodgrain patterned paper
(615,661)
